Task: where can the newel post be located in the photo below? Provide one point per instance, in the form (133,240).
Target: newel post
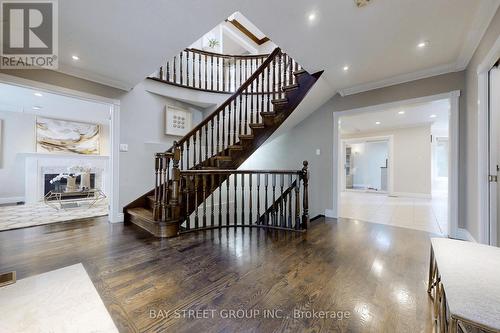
(156,211)
(176,177)
(305,204)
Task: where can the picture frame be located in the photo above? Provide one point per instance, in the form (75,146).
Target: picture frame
(178,121)
(67,137)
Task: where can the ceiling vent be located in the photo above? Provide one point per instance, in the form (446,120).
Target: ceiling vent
(362,3)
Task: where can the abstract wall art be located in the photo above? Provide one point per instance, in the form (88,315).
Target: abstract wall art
(69,137)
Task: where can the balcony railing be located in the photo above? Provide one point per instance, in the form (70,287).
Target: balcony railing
(221,73)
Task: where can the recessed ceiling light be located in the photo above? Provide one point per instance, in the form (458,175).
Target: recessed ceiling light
(346,68)
(37,107)
(311,17)
(75,57)
(377,123)
(432,116)
(401,112)
(38,94)
(421,45)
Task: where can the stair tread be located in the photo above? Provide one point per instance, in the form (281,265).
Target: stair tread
(299,72)
(223,158)
(257,125)
(290,87)
(268,113)
(246,136)
(236,147)
(141,212)
(209,168)
(279,100)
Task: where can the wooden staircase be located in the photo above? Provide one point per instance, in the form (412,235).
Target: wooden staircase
(196,168)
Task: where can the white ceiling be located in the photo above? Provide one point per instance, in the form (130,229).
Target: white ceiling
(20,99)
(414,115)
(121,42)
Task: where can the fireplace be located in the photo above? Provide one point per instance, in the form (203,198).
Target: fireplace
(41,168)
(60,185)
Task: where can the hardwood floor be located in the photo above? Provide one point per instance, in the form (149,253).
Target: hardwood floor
(375,274)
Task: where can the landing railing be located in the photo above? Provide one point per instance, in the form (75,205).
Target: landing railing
(221,73)
(236,115)
(244,198)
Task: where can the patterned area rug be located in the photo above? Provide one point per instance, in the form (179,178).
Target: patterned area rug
(22,216)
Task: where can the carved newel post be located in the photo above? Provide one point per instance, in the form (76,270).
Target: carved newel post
(305,204)
(176,177)
(156,210)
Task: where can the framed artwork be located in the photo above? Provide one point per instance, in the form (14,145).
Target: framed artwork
(62,136)
(177,121)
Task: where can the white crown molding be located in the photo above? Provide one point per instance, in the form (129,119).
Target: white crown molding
(483,16)
(399,79)
(480,24)
(91,76)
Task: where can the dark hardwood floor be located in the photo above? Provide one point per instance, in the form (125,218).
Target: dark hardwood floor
(375,273)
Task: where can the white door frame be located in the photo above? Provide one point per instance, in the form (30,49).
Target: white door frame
(115,215)
(390,143)
(487,230)
(453,96)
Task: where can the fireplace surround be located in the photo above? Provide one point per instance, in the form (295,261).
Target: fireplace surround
(39,167)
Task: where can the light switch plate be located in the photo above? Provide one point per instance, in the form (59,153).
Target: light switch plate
(123,147)
(318,151)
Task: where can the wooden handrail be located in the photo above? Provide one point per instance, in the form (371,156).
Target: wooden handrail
(247,192)
(238,92)
(240,172)
(222,55)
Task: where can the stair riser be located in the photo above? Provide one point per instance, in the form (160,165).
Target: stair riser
(158,229)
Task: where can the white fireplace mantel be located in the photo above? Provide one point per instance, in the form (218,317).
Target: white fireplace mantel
(37,163)
(65,156)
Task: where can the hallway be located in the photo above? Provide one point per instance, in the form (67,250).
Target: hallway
(415,213)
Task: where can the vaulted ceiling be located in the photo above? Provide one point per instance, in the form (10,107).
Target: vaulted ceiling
(120,42)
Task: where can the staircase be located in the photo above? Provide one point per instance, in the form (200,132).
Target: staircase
(197,184)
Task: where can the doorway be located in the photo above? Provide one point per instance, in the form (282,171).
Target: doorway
(412,190)
(494,152)
(38,103)
(366,164)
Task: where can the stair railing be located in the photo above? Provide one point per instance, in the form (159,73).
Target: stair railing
(244,198)
(220,129)
(214,72)
(233,118)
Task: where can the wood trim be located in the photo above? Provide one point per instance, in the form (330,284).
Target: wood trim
(319,216)
(247,32)
(220,55)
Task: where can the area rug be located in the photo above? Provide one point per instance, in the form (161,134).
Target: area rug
(63,300)
(22,216)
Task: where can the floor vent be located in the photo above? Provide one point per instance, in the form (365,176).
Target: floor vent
(7,278)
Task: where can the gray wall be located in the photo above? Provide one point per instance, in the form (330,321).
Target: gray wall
(469,209)
(316,132)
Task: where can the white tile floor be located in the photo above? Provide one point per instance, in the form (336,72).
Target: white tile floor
(422,214)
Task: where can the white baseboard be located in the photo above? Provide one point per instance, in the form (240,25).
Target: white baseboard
(329,213)
(411,195)
(118,218)
(464,234)
(11,200)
